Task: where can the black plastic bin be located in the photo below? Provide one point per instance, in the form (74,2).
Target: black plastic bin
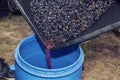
(3,8)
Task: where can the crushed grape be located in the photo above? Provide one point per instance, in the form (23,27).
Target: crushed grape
(60,21)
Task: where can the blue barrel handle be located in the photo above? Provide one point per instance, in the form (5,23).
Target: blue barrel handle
(12,67)
(10,73)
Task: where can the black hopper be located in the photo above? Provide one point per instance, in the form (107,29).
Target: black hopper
(66,22)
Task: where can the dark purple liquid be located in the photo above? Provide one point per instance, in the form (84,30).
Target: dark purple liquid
(48,56)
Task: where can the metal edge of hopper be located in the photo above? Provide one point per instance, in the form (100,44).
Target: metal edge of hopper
(89,36)
(112,23)
(29,21)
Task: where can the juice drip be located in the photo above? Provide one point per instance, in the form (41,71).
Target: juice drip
(48,56)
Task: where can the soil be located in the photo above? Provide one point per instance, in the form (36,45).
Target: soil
(102,54)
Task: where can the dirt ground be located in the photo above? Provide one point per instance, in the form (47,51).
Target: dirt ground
(102,54)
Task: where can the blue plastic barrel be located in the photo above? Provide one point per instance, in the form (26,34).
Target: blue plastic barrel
(30,62)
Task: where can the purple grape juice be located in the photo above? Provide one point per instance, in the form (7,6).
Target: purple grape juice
(48,56)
